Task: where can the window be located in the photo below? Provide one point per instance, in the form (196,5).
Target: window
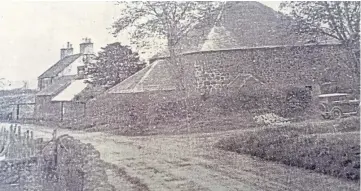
(308,88)
(45,82)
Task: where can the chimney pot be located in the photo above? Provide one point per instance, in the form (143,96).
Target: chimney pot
(64,52)
(86,47)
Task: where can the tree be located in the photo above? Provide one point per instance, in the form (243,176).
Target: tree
(113,64)
(339,20)
(168,20)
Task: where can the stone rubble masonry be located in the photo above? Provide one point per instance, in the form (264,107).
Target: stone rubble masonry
(79,168)
(276,67)
(47,110)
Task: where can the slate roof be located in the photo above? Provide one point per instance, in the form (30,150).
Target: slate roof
(59,66)
(57,86)
(151,78)
(89,92)
(218,38)
(73,89)
(237,25)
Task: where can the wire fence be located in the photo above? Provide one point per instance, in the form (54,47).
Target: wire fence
(15,144)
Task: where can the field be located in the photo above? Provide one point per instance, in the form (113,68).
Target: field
(328,147)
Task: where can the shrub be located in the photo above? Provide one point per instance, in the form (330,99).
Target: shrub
(297,101)
(269,118)
(287,102)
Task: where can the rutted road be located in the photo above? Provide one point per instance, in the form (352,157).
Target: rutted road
(190,162)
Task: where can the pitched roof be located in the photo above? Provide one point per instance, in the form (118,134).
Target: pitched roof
(71,91)
(151,78)
(218,38)
(90,92)
(56,87)
(236,25)
(59,66)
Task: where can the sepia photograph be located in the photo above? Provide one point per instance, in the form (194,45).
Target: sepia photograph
(180,95)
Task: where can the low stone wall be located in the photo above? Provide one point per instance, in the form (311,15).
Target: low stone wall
(61,164)
(125,109)
(12,171)
(74,165)
(48,110)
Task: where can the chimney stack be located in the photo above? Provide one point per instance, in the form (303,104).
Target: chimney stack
(64,52)
(86,47)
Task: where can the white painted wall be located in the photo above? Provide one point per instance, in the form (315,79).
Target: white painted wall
(72,69)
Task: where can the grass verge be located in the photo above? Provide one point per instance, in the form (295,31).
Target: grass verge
(202,125)
(135,182)
(331,147)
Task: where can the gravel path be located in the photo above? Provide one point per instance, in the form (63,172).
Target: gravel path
(189,162)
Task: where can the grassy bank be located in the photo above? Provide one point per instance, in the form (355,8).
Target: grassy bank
(329,147)
(201,125)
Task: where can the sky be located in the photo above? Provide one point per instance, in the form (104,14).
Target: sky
(32,33)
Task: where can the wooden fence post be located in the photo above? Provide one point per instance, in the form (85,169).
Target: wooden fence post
(32,144)
(17,111)
(9,150)
(27,142)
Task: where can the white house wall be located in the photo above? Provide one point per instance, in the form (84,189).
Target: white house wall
(72,69)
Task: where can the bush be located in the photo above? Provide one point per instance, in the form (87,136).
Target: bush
(269,118)
(287,102)
(326,148)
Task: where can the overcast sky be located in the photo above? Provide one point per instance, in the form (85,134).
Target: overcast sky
(32,33)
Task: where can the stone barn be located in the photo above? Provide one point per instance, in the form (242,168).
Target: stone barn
(151,93)
(134,99)
(247,46)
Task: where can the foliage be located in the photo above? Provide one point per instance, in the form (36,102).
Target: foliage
(288,102)
(168,20)
(113,64)
(330,147)
(298,99)
(339,20)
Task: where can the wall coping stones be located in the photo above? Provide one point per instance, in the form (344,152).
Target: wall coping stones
(251,48)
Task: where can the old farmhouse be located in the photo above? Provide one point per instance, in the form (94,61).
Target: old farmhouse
(60,84)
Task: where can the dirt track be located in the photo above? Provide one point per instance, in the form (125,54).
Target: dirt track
(189,162)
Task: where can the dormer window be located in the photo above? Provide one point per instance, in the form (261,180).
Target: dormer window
(81,71)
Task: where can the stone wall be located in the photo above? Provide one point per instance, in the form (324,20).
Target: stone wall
(26,111)
(73,110)
(77,167)
(13,172)
(47,110)
(126,109)
(277,67)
